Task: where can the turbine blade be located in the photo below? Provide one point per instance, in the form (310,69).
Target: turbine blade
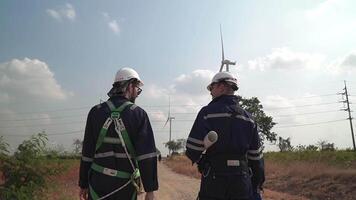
(166,122)
(222,45)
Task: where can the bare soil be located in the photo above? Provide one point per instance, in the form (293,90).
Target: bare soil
(172,186)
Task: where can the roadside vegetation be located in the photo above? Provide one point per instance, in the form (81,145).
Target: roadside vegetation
(314,174)
(27,173)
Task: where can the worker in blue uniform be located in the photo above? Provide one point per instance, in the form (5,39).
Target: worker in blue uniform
(232,168)
(119,152)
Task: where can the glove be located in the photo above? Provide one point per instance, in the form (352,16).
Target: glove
(202,162)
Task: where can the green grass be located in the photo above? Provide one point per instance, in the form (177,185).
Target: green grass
(344,159)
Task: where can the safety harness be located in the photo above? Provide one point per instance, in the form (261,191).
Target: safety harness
(134,177)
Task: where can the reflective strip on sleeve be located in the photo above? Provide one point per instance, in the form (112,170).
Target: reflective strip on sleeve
(215,115)
(195,140)
(145,156)
(258,151)
(112,140)
(87,159)
(109,154)
(190,146)
(255,157)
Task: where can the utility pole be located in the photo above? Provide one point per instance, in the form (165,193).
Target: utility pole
(349,111)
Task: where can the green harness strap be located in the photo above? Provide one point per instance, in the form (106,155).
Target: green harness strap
(115,113)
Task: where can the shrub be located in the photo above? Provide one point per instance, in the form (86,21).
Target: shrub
(25,172)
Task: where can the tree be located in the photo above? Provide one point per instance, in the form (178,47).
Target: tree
(3,146)
(265,123)
(77,143)
(284,144)
(175,146)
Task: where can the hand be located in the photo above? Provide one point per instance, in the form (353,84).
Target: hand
(149,196)
(83,194)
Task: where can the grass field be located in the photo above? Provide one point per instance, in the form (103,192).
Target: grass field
(312,174)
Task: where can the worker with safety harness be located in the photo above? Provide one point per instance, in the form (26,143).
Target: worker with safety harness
(119,152)
(232,165)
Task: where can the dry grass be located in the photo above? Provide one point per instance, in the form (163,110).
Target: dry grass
(182,165)
(311,179)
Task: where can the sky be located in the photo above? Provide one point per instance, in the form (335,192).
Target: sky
(59,58)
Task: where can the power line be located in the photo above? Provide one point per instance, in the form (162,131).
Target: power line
(35,125)
(54,110)
(307,105)
(310,113)
(63,133)
(41,118)
(312,96)
(310,124)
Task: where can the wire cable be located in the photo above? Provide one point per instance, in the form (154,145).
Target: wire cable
(310,124)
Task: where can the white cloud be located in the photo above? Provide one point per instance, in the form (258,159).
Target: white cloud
(63,12)
(187,94)
(29,79)
(194,83)
(349,60)
(112,23)
(284,58)
(346,63)
(114,26)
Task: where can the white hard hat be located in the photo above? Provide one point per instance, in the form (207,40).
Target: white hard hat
(224,77)
(126,74)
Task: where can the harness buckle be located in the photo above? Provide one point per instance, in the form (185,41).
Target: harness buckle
(115,114)
(136,180)
(109,172)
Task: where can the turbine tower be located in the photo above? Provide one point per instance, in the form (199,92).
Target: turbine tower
(169,119)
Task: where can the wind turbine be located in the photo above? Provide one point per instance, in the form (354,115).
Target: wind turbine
(169,118)
(223,60)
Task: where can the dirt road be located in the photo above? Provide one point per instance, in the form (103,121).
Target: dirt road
(173,186)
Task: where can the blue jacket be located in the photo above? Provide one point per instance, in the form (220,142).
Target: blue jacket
(113,156)
(237,135)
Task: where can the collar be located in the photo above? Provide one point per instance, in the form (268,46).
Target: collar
(229,99)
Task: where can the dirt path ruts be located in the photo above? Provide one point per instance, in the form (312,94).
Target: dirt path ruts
(172,186)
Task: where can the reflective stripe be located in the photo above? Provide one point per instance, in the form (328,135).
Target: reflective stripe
(87,159)
(111,105)
(244,118)
(112,140)
(215,115)
(190,146)
(145,156)
(110,153)
(255,157)
(259,150)
(195,140)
